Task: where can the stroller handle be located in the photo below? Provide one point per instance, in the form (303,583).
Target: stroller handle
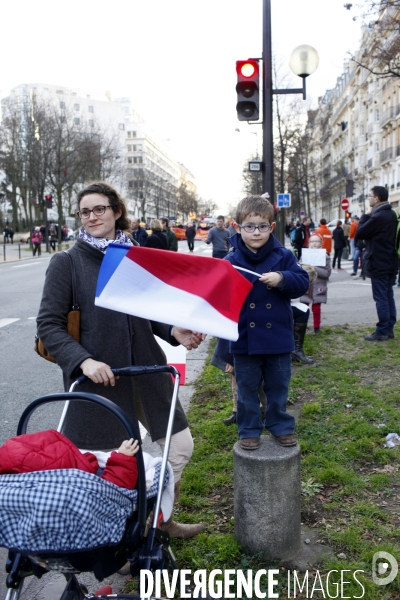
(132,371)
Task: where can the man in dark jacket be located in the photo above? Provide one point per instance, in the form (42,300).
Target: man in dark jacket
(302,236)
(172,239)
(378,228)
(139,234)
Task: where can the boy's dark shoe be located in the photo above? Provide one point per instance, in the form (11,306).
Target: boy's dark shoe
(375,337)
(391,335)
(230,420)
(285,440)
(317,330)
(251,443)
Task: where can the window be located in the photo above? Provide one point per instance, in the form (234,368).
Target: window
(126,110)
(377,114)
(129,148)
(91,109)
(134,148)
(91,123)
(140,147)
(76,106)
(137,160)
(133,133)
(130,160)
(376,147)
(62,104)
(130,184)
(62,119)
(129,134)
(121,127)
(77,121)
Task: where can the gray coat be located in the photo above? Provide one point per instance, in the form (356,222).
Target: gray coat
(319,290)
(108,336)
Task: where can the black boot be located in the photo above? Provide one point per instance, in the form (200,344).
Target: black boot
(230,420)
(298,354)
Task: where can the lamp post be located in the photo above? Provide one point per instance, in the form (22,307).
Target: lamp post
(303,62)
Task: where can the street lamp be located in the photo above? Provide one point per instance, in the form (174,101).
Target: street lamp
(303,62)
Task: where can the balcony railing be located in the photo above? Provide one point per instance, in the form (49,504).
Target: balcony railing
(386,155)
(388,115)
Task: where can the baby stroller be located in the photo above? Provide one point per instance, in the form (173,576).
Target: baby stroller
(149,552)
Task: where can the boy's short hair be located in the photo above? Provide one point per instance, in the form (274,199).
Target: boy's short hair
(323,221)
(221,217)
(254,205)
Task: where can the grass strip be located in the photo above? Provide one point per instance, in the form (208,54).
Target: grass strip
(349,401)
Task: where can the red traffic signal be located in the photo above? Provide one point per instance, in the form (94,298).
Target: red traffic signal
(49,201)
(248,90)
(347,214)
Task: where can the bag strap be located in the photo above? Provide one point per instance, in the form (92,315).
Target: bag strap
(75,305)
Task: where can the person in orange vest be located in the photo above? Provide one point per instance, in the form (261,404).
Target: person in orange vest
(353,228)
(326,234)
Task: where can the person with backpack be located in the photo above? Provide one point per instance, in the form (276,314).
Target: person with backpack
(378,227)
(37,239)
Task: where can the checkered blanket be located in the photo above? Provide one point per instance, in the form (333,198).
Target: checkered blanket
(64,510)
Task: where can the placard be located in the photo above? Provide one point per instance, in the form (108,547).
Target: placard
(314,256)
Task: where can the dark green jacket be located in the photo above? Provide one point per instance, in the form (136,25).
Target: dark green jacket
(172,240)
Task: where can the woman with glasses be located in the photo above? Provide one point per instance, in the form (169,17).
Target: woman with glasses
(110,339)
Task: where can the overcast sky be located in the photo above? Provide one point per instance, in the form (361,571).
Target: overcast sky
(175,59)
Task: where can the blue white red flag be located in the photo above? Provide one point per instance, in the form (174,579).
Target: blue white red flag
(199,293)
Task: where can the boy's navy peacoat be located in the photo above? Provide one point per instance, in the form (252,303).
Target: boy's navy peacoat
(266,321)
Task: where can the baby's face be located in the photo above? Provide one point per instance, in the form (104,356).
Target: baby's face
(315,242)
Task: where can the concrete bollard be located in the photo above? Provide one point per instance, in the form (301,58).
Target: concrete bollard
(267,490)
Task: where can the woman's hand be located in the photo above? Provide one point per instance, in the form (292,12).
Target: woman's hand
(186,337)
(97,371)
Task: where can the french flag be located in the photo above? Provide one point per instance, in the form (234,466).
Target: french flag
(195,292)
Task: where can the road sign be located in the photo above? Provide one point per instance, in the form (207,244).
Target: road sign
(255,165)
(345,204)
(284,200)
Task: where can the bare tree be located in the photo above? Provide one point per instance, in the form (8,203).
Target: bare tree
(380,52)
(187,201)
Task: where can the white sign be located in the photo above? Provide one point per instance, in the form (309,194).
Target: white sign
(314,256)
(254,165)
(284,200)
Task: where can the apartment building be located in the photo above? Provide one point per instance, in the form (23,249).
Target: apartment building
(356,135)
(141,166)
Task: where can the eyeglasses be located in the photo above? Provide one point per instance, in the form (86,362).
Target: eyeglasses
(263,228)
(98,211)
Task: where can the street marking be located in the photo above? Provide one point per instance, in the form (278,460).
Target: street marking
(4,322)
(31,318)
(26,265)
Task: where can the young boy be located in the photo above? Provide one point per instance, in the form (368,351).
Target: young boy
(262,352)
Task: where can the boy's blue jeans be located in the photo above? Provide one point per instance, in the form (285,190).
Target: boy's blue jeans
(273,371)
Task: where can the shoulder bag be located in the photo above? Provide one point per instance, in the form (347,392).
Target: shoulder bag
(73,320)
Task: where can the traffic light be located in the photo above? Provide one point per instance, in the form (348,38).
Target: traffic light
(347,214)
(49,201)
(248,90)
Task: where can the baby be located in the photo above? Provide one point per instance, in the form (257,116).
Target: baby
(47,450)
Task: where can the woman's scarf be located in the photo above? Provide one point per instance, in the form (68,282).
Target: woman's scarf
(102,243)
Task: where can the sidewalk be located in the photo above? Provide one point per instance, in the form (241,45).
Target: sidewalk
(21,251)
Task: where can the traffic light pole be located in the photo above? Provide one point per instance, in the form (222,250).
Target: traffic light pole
(268,144)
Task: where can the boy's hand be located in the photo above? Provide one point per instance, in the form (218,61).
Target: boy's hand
(271,279)
(129,447)
(229,368)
